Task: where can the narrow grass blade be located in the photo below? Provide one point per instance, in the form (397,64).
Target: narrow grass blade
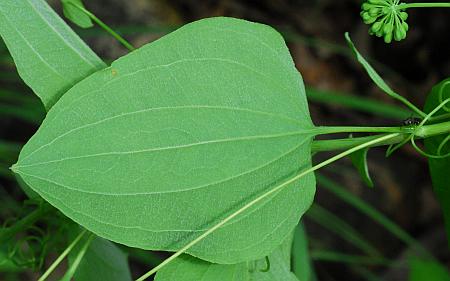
(370,211)
(335,224)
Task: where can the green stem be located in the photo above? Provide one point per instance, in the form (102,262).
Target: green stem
(339,144)
(356,129)
(73,267)
(25,222)
(261,197)
(62,256)
(423,5)
(432,130)
(105,27)
(440,117)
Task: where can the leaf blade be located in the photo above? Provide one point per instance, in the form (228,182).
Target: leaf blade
(439,167)
(75,15)
(376,78)
(102,261)
(359,160)
(49,56)
(180,148)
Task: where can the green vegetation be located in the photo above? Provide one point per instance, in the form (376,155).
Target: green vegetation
(200,144)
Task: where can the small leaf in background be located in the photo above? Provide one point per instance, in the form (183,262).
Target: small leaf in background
(49,56)
(188,268)
(102,261)
(376,78)
(425,270)
(301,262)
(75,15)
(359,160)
(439,168)
(174,137)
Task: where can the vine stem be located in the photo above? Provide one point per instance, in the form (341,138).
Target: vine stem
(423,5)
(404,133)
(341,144)
(62,256)
(104,26)
(261,197)
(323,130)
(25,222)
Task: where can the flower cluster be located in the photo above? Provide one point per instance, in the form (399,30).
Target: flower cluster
(387,18)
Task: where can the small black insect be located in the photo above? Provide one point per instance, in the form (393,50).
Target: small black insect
(411,121)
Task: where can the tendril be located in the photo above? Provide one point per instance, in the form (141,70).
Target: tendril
(442,144)
(434,156)
(387,17)
(441,95)
(30,250)
(267,268)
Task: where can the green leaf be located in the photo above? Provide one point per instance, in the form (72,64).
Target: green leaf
(428,270)
(188,268)
(439,167)
(74,14)
(102,261)
(174,137)
(301,261)
(49,56)
(359,160)
(376,78)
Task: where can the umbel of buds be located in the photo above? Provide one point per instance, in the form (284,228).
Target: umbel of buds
(387,18)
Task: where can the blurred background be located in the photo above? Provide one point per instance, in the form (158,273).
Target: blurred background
(347,240)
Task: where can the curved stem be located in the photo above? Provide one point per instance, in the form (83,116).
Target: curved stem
(418,149)
(261,197)
(104,26)
(423,5)
(62,256)
(25,222)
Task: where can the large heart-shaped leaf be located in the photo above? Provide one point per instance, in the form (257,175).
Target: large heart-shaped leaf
(174,137)
(439,167)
